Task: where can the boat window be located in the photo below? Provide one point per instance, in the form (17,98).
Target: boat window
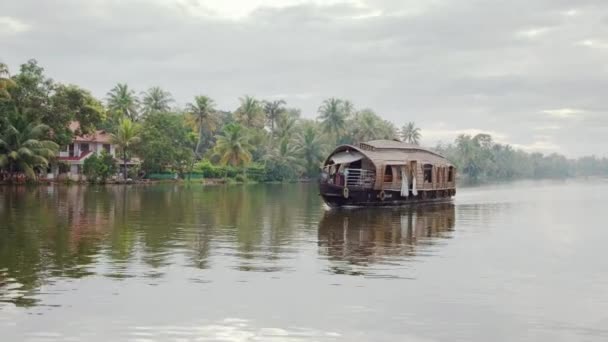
(355,165)
(428,173)
(451,174)
(388,174)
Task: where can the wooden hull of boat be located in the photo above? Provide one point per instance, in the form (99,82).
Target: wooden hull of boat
(334,196)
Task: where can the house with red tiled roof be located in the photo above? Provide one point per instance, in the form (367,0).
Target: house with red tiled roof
(82,147)
(71,158)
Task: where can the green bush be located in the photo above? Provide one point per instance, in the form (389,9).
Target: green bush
(98,168)
(209,170)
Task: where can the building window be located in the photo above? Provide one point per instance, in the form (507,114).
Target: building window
(84,148)
(428,173)
(451,174)
(107,148)
(71,150)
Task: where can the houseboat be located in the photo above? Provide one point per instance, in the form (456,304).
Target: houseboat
(385,173)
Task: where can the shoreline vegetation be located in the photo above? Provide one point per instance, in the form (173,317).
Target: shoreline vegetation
(259,141)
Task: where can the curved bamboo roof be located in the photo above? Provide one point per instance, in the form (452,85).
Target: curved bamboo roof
(389,152)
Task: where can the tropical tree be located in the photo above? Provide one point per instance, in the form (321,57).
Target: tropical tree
(310,149)
(127,136)
(168,143)
(286,125)
(123,102)
(156,100)
(333,117)
(5,81)
(348,107)
(273,110)
(24,147)
(387,130)
(282,160)
(72,103)
(250,113)
(205,118)
(232,146)
(411,134)
(366,126)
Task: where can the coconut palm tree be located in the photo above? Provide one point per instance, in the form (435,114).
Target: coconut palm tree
(366,126)
(250,112)
(411,134)
(232,146)
(310,148)
(204,115)
(349,107)
(156,100)
(125,138)
(283,160)
(273,110)
(333,117)
(5,81)
(122,101)
(286,124)
(24,147)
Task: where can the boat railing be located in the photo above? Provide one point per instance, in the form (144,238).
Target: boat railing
(360,178)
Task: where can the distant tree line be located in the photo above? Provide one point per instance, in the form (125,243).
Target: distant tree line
(265,138)
(480,159)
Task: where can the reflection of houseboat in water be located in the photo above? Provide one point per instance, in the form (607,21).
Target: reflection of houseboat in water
(386,172)
(365,236)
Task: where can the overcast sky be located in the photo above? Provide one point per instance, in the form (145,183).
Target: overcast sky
(533,73)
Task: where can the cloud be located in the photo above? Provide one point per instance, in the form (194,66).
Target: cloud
(564,113)
(10,25)
(538,146)
(533,32)
(445,135)
(473,65)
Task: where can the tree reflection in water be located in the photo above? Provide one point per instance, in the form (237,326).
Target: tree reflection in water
(123,232)
(358,241)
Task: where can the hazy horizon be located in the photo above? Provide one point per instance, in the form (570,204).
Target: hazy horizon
(530,74)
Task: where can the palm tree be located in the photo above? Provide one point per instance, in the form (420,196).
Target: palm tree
(411,134)
(5,81)
(205,118)
(349,108)
(286,124)
(156,100)
(273,110)
(122,101)
(366,126)
(23,147)
(388,130)
(283,159)
(232,146)
(310,149)
(126,137)
(250,112)
(333,117)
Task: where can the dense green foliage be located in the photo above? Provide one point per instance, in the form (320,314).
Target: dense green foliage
(98,168)
(261,140)
(25,147)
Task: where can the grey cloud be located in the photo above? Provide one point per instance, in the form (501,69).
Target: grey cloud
(467,65)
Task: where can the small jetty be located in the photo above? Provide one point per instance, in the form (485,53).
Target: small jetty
(385,173)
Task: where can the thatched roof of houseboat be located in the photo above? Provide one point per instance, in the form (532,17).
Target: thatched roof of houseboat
(391,152)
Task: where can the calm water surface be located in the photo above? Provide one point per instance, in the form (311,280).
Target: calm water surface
(524,262)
